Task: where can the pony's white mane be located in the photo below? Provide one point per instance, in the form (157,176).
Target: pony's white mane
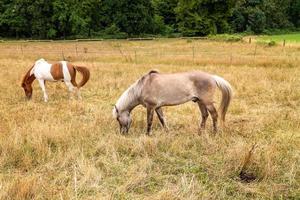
(128,96)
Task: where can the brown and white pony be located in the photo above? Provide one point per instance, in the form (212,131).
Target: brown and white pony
(155,90)
(61,71)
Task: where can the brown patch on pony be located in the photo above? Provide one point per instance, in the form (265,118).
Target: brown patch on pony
(57,71)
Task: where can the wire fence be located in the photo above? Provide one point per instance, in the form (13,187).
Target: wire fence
(135,52)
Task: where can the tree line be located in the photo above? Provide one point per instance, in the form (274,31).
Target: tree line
(56,19)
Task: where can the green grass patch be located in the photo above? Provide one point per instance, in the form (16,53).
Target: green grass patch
(226,37)
(291,38)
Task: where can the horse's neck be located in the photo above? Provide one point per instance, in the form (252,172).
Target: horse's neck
(30,79)
(130,100)
(130,105)
(133,104)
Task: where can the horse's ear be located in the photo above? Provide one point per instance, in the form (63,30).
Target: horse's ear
(116,109)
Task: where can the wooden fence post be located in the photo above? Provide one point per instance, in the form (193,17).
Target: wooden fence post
(62,54)
(76,50)
(255,53)
(22,49)
(193,54)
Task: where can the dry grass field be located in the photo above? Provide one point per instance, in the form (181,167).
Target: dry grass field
(70,149)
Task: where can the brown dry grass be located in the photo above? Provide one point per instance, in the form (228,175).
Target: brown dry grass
(68,149)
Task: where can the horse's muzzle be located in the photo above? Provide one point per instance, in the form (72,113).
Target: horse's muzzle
(124,130)
(28,97)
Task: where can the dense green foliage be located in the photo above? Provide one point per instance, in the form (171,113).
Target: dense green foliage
(129,18)
(204,17)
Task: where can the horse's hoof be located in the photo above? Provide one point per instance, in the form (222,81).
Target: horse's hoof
(201,131)
(149,134)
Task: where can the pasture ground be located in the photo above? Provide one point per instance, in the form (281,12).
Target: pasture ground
(69,149)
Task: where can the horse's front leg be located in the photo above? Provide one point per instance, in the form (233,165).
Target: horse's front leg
(161,118)
(76,88)
(42,85)
(70,87)
(150,112)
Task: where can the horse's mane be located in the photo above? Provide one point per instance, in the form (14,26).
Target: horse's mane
(131,93)
(28,77)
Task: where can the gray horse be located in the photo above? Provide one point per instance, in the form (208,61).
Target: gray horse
(155,90)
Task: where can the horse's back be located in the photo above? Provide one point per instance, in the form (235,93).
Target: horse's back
(202,79)
(53,72)
(173,79)
(42,69)
(167,89)
(176,88)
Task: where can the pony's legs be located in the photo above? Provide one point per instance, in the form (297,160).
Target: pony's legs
(204,114)
(214,115)
(78,93)
(70,87)
(42,85)
(161,118)
(73,82)
(150,112)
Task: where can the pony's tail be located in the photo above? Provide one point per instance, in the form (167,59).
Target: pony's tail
(226,90)
(85,75)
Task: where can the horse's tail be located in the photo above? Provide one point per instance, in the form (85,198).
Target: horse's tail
(226,90)
(85,75)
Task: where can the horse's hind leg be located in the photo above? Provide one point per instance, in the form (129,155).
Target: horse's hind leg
(204,114)
(78,94)
(214,115)
(161,118)
(70,87)
(150,112)
(42,85)
(76,88)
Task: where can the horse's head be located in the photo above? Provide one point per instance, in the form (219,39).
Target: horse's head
(27,89)
(27,83)
(123,118)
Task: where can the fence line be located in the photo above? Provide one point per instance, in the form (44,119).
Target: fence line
(284,41)
(193,53)
(101,39)
(135,53)
(138,51)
